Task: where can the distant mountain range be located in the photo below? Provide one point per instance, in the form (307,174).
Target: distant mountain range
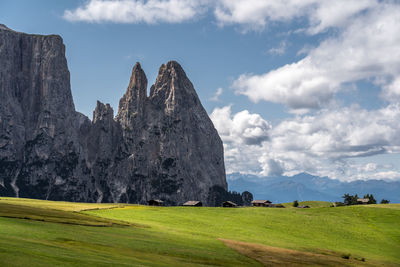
(304,187)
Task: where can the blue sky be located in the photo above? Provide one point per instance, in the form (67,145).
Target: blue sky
(291,86)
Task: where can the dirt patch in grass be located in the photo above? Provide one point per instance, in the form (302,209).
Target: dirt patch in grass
(273,256)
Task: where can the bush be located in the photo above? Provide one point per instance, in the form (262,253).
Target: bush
(295,203)
(385,201)
(346,256)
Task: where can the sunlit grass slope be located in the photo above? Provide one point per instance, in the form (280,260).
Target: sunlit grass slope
(372,233)
(58,205)
(189,236)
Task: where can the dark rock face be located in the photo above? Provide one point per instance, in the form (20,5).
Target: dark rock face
(160,146)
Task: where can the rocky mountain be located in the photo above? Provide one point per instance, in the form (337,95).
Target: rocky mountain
(159,146)
(304,186)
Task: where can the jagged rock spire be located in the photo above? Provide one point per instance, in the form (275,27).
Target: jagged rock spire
(173,88)
(102,112)
(131,105)
(138,81)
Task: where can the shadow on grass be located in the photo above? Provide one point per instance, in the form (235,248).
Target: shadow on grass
(58,216)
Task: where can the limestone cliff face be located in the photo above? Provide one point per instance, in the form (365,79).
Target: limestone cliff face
(159,146)
(39,144)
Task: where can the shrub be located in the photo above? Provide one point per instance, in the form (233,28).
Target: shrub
(295,203)
(346,256)
(385,201)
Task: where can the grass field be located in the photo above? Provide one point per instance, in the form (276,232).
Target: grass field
(189,236)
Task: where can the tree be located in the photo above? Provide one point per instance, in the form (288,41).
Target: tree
(385,201)
(247,198)
(349,199)
(217,195)
(371,198)
(295,203)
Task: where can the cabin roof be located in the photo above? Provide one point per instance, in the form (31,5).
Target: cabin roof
(260,201)
(363,199)
(191,203)
(156,200)
(230,202)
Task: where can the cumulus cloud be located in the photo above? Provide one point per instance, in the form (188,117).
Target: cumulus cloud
(256,14)
(251,14)
(238,131)
(137,11)
(243,127)
(367,49)
(324,144)
(217,94)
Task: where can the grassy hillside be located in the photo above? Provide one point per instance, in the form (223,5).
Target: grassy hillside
(187,236)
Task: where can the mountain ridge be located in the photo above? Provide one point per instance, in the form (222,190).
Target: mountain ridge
(304,187)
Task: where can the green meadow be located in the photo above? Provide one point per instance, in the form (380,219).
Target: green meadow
(47,233)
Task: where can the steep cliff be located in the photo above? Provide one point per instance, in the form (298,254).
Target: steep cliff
(159,146)
(39,128)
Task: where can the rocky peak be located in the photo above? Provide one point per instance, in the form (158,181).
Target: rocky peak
(173,89)
(4,27)
(132,102)
(138,81)
(102,112)
(168,75)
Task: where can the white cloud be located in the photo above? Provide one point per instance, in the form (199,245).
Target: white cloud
(243,127)
(137,11)
(271,167)
(280,50)
(338,13)
(251,14)
(256,14)
(238,131)
(217,94)
(367,49)
(323,144)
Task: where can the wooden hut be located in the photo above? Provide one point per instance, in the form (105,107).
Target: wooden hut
(193,203)
(261,203)
(303,207)
(229,204)
(362,200)
(155,202)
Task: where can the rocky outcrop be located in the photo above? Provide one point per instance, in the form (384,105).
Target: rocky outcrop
(159,146)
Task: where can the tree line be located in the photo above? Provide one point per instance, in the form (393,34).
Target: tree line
(353,200)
